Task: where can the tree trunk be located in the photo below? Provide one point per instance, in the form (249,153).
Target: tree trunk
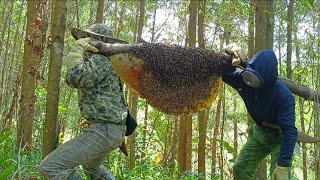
(192,25)
(33,49)
(100,11)
(134,102)
(5,30)
(202,143)
(251,45)
(289,38)
(269,24)
(144,132)
(78,14)
(201,19)
(91,14)
(182,145)
(6,24)
(260,44)
(58,25)
(221,162)
(173,149)
(154,22)
(235,129)
(132,138)
(215,136)
(260,25)
(188,143)
(317,122)
(202,118)
(121,17)
(304,153)
(141,20)
(185,141)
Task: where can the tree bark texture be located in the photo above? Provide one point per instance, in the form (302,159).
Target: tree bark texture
(202,116)
(58,26)
(214,158)
(100,11)
(260,44)
(202,124)
(33,49)
(289,38)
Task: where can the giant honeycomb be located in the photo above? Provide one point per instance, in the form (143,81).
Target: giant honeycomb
(174,79)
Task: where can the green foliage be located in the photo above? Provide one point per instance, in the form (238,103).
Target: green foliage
(7,163)
(226,145)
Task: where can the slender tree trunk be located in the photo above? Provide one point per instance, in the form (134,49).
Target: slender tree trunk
(78,14)
(251,45)
(185,144)
(301,113)
(134,103)
(235,129)
(90,21)
(141,20)
(100,11)
(202,143)
(6,24)
(188,141)
(260,25)
(32,55)
(221,162)
(58,25)
(192,25)
(145,128)
(132,138)
(182,145)
(115,22)
(7,121)
(317,123)
(5,30)
(260,44)
(202,118)
(269,24)
(121,17)
(174,149)
(154,22)
(201,19)
(185,141)
(304,153)
(136,18)
(289,38)
(215,136)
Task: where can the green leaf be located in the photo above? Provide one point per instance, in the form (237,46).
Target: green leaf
(229,148)
(5,136)
(9,170)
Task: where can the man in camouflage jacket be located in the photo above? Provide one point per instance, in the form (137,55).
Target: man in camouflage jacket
(101,104)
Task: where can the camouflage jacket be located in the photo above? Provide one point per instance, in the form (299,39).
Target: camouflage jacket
(99,92)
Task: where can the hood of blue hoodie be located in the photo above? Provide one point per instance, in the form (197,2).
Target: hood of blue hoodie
(264,65)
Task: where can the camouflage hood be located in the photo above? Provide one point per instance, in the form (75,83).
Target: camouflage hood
(100,32)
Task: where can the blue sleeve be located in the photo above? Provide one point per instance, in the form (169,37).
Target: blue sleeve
(286,122)
(234,79)
(89,72)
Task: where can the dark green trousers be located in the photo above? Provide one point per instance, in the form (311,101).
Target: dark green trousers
(261,143)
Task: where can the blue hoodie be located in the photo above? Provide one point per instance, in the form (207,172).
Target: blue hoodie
(272,101)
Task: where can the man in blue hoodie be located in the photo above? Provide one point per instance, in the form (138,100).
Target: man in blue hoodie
(272,106)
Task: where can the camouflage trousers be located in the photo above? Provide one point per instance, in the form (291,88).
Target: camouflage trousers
(261,143)
(89,150)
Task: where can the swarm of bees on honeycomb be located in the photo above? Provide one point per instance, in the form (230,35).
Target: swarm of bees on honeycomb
(174,79)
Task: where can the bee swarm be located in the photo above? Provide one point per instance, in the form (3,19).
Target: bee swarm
(179,80)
